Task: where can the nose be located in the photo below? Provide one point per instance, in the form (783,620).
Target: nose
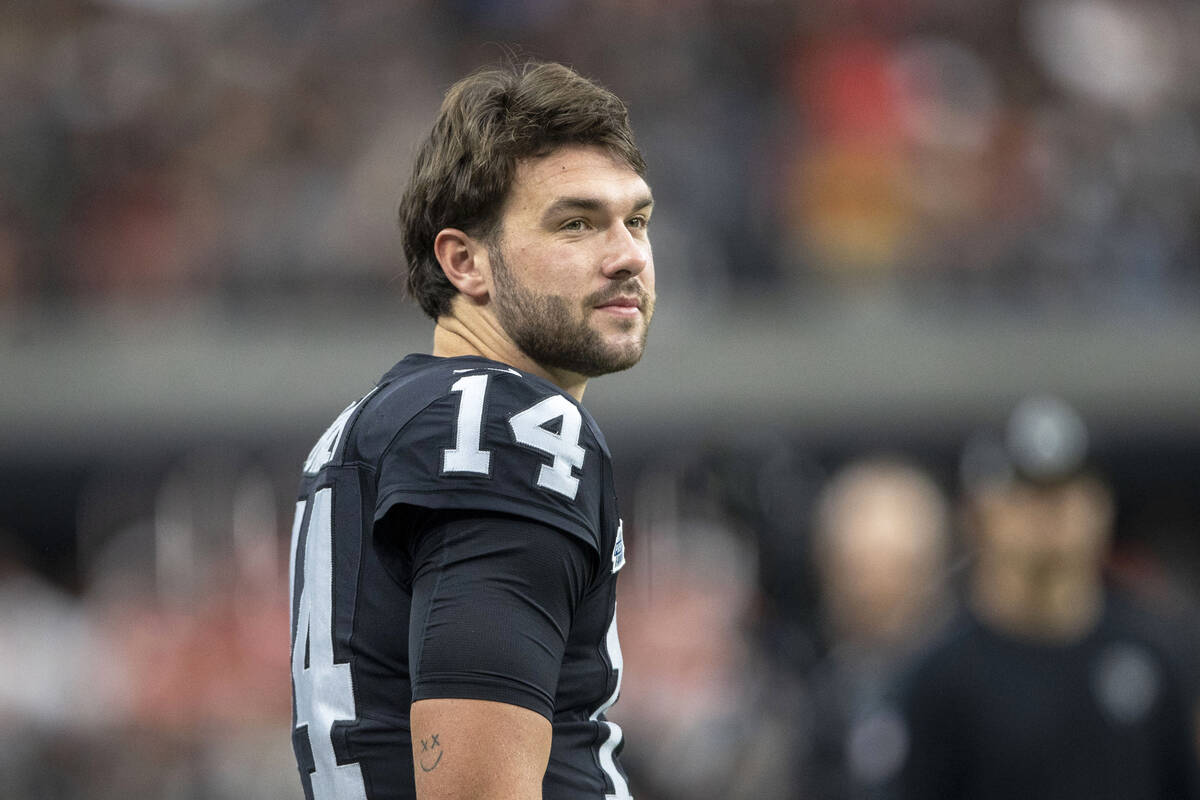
(627,255)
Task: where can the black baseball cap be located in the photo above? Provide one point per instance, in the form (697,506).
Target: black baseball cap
(1045,442)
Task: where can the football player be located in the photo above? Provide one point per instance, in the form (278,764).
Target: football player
(457,540)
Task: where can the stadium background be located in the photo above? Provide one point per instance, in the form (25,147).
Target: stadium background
(880,223)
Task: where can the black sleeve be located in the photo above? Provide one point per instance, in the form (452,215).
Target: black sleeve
(493,597)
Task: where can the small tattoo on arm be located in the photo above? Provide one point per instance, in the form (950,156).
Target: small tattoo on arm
(431,753)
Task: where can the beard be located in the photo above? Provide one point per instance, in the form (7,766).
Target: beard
(548,330)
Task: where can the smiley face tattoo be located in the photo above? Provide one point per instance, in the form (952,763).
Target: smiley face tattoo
(431,754)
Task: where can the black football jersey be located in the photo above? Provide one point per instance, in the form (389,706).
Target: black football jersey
(444,435)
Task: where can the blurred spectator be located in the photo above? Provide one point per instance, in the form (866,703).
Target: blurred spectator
(881,551)
(881,544)
(162,678)
(59,680)
(704,718)
(1051,685)
(57,670)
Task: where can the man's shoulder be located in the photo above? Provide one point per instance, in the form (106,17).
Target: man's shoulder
(473,434)
(426,394)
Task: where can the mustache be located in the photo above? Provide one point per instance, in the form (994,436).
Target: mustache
(630,286)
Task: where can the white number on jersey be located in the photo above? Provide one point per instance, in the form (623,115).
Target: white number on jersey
(529,429)
(323,690)
(466,456)
(612,643)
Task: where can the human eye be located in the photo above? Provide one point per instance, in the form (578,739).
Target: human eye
(638,222)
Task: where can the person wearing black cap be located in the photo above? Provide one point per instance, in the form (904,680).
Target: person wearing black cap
(1050,684)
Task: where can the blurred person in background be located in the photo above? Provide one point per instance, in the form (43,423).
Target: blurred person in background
(59,680)
(712,719)
(457,539)
(1052,684)
(880,548)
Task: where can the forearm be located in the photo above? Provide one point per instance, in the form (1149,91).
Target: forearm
(478,750)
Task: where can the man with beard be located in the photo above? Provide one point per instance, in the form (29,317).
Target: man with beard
(1052,686)
(457,537)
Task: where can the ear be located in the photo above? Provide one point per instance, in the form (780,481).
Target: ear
(463,259)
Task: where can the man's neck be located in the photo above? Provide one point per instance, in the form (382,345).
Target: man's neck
(454,337)
(1056,605)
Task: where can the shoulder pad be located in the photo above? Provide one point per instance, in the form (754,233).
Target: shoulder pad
(489,438)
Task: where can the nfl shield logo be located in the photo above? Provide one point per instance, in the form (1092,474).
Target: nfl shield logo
(618,556)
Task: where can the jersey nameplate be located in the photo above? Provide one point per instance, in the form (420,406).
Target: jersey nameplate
(325,448)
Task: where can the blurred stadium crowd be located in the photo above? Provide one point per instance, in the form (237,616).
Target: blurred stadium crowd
(996,150)
(992,156)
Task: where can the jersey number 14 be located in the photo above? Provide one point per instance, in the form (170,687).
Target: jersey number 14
(529,428)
